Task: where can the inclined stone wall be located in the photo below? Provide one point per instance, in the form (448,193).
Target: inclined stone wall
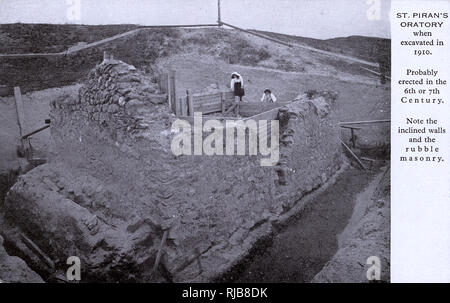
(120,186)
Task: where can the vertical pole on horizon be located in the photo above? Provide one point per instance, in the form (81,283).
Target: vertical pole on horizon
(219,17)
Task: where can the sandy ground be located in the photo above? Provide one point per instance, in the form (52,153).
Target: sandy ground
(359,97)
(366,235)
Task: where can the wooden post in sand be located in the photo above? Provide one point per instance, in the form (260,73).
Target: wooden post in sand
(222,101)
(159,254)
(190,101)
(19,110)
(173,85)
(166,77)
(179,107)
(219,15)
(20,119)
(183,107)
(353,155)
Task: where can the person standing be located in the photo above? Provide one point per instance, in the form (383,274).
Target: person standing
(268,96)
(237,85)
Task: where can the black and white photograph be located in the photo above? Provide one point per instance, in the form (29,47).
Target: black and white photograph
(196,141)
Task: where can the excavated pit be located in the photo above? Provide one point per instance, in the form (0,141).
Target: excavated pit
(115,186)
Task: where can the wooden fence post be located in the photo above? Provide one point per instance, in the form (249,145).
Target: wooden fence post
(173,87)
(222,101)
(168,91)
(190,100)
(184,109)
(19,110)
(179,107)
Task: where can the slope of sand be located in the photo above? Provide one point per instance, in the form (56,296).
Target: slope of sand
(367,234)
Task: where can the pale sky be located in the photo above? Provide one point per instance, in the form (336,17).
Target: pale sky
(308,18)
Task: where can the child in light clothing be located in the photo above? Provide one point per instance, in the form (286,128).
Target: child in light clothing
(268,96)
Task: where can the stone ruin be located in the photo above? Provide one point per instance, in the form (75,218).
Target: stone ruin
(115,187)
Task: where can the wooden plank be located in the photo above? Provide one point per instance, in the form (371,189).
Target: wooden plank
(374,72)
(268,115)
(206,96)
(35,131)
(159,254)
(208,102)
(208,108)
(31,245)
(217,103)
(248,109)
(353,155)
(365,122)
(232,107)
(349,127)
(261,106)
(19,110)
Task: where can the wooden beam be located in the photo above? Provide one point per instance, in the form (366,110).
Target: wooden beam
(353,154)
(365,122)
(31,245)
(267,115)
(158,255)
(35,131)
(230,108)
(19,110)
(350,127)
(374,72)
